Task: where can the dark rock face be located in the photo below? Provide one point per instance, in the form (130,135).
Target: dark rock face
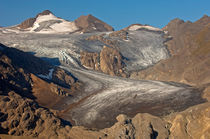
(27,61)
(12,77)
(90,23)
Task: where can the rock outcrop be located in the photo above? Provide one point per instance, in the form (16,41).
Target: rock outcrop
(109,61)
(90,60)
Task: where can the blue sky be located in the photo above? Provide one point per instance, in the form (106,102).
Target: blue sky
(117,13)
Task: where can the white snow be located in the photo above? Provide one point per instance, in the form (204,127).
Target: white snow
(94,28)
(49,76)
(87,67)
(42,18)
(136,27)
(35,26)
(63,26)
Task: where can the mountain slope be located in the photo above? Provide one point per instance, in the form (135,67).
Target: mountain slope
(189,47)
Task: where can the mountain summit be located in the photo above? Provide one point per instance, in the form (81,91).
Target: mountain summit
(47,22)
(45,12)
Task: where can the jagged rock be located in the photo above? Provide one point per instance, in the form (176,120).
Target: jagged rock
(90,60)
(111,61)
(27,122)
(63,78)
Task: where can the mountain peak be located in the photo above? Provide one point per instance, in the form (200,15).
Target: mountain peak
(174,23)
(89,23)
(45,12)
(30,21)
(204,20)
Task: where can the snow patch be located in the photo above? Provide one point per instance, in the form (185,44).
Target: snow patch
(87,67)
(137,27)
(49,76)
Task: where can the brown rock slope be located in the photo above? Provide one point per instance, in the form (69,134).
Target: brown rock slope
(190,60)
(23,117)
(111,61)
(90,23)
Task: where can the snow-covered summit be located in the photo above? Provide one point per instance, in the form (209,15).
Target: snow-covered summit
(51,24)
(46,22)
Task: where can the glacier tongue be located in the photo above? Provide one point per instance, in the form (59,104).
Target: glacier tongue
(104,96)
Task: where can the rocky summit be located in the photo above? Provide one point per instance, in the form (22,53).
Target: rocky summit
(81,79)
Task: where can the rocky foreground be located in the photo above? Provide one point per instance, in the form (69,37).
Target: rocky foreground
(24,117)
